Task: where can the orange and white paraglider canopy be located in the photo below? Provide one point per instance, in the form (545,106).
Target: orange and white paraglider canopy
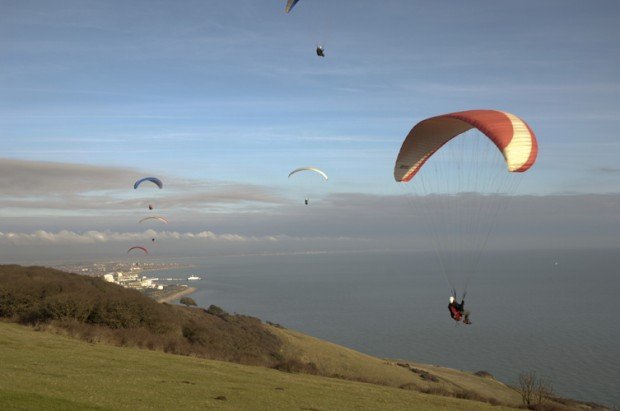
(513,137)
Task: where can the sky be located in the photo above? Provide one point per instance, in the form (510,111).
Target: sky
(222,99)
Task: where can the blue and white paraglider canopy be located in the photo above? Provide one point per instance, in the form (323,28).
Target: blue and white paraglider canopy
(153,180)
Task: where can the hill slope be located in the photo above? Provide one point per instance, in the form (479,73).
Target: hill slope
(91,309)
(343,362)
(43,370)
(99,312)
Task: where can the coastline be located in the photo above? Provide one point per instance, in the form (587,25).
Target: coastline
(169,268)
(177,295)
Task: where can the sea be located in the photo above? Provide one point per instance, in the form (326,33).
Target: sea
(556,313)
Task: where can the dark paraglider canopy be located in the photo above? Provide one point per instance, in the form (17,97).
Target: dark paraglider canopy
(153,180)
(290,4)
(138,248)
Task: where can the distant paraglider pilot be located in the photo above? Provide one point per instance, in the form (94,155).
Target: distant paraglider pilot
(314,169)
(150,206)
(320,51)
(457,311)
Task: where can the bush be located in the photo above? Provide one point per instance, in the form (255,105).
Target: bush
(187,301)
(195,333)
(217,311)
(534,390)
(437,391)
(409,386)
(462,394)
(297,366)
(275,325)
(470,395)
(484,374)
(494,401)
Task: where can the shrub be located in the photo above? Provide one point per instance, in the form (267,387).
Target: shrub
(275,325)
(494,401)
(527,382)
(534,390)
(187,301)
(297,366)
(437,391)
(195,333)
(409,386)
(217,311)
(470,395)
(484,374)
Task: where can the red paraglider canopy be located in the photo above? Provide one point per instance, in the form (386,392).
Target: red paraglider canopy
(138,248)
(512,136)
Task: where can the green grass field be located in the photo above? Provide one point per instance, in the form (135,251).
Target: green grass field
(335,359)
(40,370)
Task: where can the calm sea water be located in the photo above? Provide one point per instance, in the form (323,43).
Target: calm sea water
(529,314)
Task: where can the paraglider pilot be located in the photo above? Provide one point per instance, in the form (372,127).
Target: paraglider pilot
(306,200)
(320,51)
(457,311)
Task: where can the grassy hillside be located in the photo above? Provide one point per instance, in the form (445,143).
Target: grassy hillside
(91,309)
(46,371)
(97,312)
(345,363)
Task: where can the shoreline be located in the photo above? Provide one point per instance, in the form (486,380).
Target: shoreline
(177,295)
(168,268)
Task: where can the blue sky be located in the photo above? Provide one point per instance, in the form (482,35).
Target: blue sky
(231,92)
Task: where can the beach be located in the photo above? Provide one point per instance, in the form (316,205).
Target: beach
(176,295)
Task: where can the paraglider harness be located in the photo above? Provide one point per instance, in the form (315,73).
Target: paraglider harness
(455,313)
(456,309)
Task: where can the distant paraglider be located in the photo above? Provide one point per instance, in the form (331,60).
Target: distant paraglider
(316,170)
(153,180)
(138,248)
(323,22)
(290,4)
(160,185)
(159,218)
(313,169)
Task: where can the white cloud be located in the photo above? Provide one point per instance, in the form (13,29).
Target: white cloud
(75,188)
(66,237)
(43,178)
